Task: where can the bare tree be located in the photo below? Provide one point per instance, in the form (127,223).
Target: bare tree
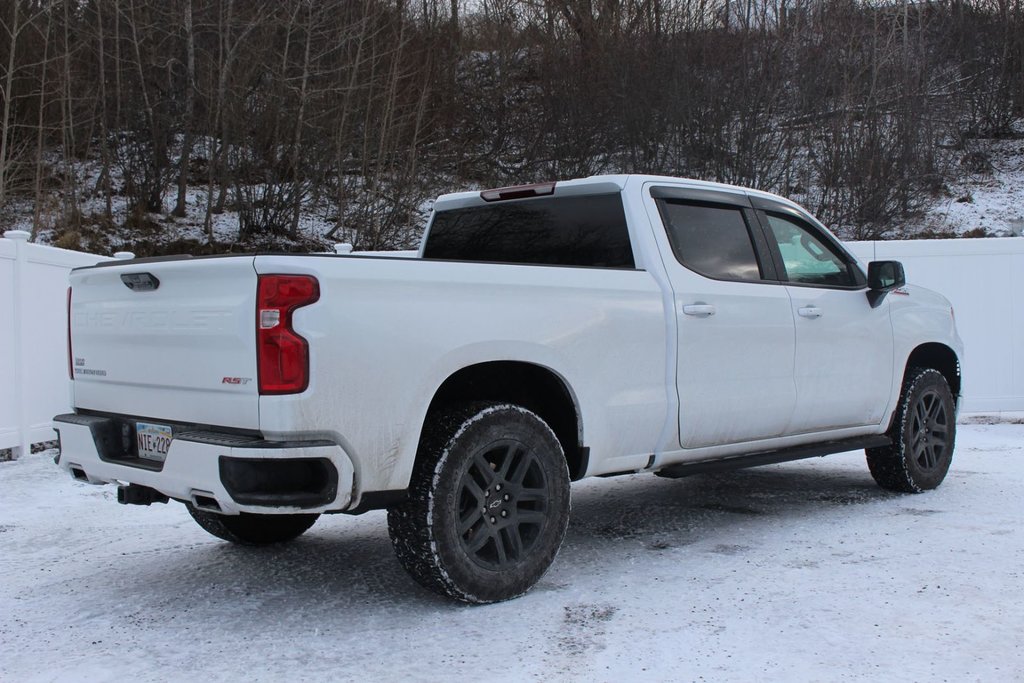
(190,88)
(360,111)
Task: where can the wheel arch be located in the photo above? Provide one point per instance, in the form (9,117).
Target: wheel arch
(938,357)
(535,387)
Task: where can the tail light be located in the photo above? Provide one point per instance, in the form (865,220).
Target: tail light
(71,365)
(283,355)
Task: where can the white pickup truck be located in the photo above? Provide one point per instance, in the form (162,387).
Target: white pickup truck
(546,333)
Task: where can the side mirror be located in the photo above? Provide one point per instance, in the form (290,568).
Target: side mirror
(883,277)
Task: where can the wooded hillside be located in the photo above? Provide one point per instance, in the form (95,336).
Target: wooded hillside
(371,107)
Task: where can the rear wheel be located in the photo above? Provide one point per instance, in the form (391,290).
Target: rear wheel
(923,435)
(488,504)
(251,529)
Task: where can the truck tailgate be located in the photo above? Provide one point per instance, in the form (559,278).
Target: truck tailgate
(179,346)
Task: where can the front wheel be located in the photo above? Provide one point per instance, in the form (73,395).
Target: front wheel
(923,434)
(252,529)
(488,504)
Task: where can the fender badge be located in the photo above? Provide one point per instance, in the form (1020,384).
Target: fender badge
(140,282)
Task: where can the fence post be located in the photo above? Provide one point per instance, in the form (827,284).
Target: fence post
(20,238)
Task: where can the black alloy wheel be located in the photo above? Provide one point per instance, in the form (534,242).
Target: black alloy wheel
(503,497)
(929,431)
(923,435)
(488,503)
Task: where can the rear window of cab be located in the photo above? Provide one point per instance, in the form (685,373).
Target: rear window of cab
(582,230)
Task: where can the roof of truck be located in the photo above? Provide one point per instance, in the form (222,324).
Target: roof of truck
(591,185)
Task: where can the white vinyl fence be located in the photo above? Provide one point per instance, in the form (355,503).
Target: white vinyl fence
(984,279)
(34,384)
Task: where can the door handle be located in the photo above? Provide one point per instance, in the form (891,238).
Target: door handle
(700,310)
(810,312)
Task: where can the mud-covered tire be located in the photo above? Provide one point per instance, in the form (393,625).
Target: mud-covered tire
(923,434)
(252,529)
(488,503)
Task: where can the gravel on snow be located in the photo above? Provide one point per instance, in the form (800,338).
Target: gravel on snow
(802,571)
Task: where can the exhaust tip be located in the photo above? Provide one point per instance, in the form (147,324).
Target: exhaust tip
(205,501)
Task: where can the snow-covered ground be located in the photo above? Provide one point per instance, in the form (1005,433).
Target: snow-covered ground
(804,571)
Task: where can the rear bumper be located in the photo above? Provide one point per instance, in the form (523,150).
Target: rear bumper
(217,472)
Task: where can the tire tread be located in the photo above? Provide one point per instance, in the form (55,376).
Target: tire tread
(253,529)
(888,464)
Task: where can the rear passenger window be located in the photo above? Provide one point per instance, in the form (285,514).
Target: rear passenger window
(587,230)
(713,240)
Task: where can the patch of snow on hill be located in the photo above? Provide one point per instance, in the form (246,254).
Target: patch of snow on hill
(989,196)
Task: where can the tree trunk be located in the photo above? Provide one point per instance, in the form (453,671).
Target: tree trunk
(37,209)
(71,207)
(6,123)
(293,228)
(104,179)
(186,144)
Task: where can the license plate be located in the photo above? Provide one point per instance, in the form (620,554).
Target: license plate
(153,440)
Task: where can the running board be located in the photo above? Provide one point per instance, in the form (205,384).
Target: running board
(736,462)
